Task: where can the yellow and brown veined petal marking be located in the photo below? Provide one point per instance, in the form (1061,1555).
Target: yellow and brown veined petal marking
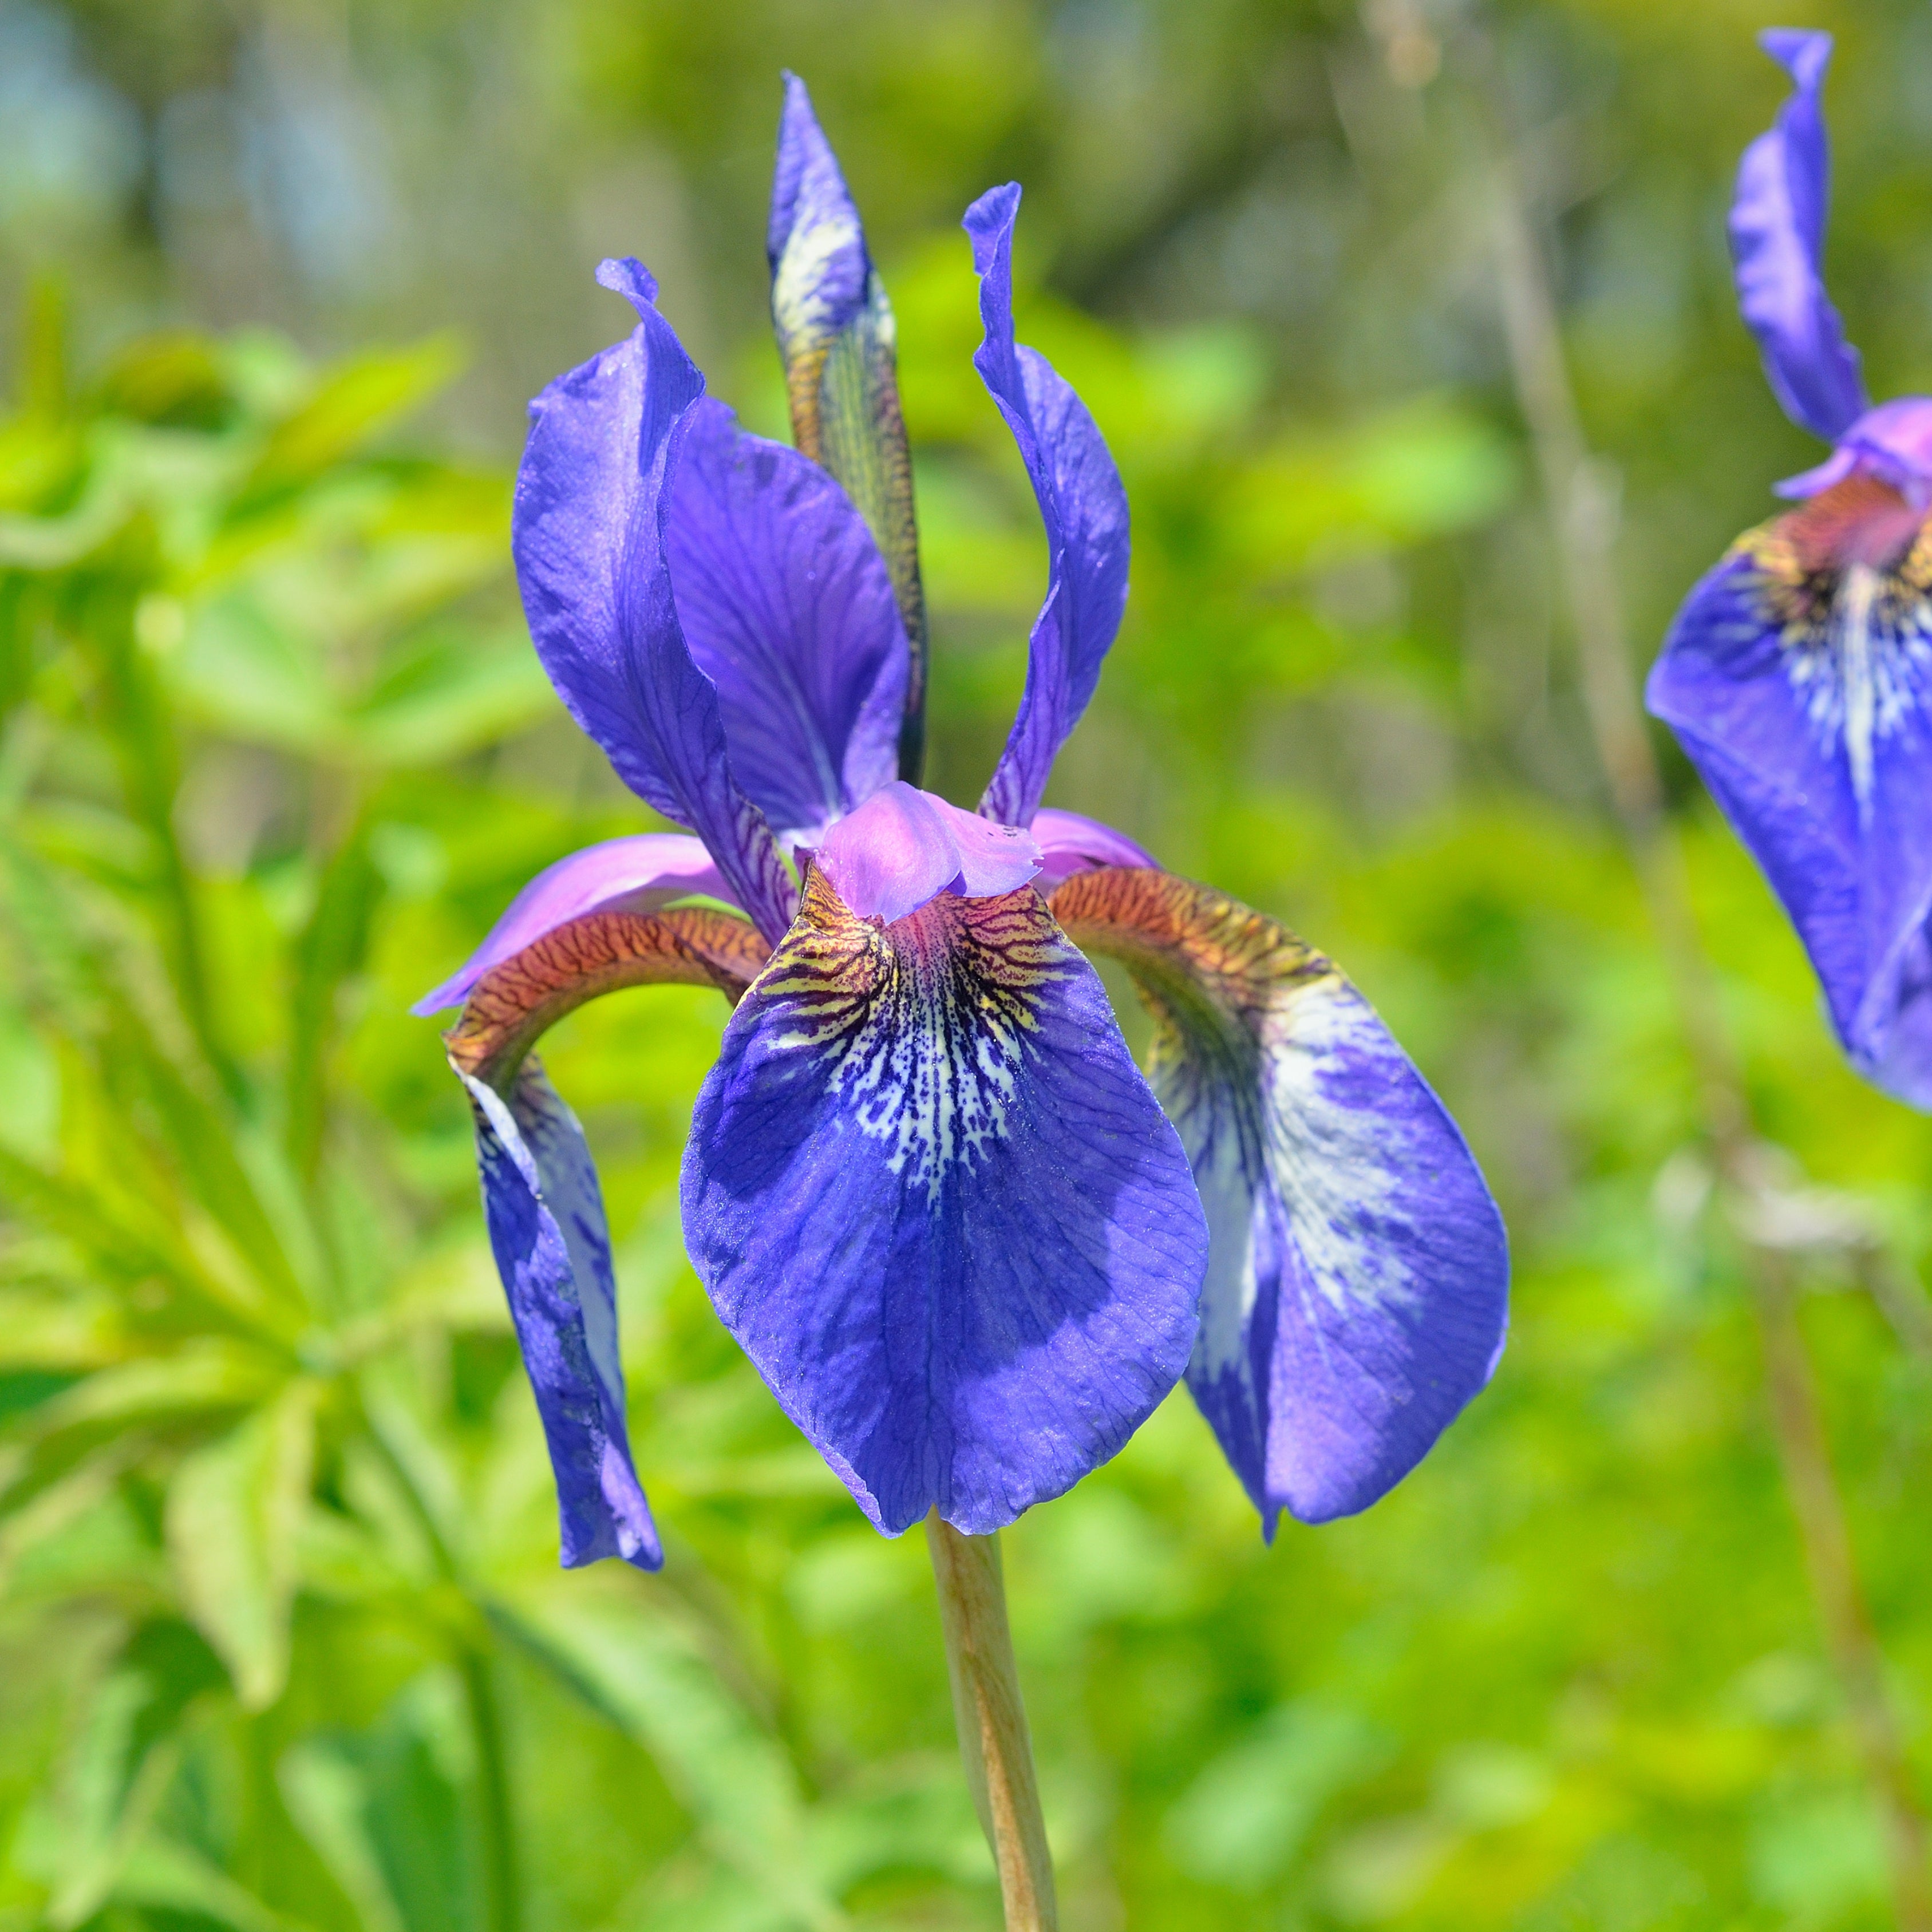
(521,998)
(1357,1273)
(933,1199)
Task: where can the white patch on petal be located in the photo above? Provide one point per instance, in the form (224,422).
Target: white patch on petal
(1861,674)
(923,1047)
(798,289)
(1291,1149)
(537,1131)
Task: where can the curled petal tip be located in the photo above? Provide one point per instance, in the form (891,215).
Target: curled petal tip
(625,275)
(1803,53)
(989,221)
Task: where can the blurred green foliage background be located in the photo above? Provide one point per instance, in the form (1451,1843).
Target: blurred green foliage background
(282,1645)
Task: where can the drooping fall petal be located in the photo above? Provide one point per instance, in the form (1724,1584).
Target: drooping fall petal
(1083,506)
(933,1199)
(1358,1273)
(1797,677)
(540,1198)
(588,531)
(546,1218)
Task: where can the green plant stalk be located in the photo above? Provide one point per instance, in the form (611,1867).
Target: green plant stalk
(497,1812)
(503,1911)
(986,1705)
(1582,502)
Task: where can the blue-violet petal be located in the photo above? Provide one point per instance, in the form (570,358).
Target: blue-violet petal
(1083,506)
(1797,677)
(935,1201)
(587,529)
(1778,246)
(546,1219)
(1357,1294)
(785,601)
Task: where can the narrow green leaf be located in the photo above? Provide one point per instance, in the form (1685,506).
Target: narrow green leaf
(233,1517)
(652,1678)
(328,1796)
(163,1872)
(332,949)
(361,397)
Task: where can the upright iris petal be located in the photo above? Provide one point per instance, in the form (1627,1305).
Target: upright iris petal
(588,533)
(1083,506)
(1357,1276)
(1778,243)
(836,337)
(935,1201)
(788,610)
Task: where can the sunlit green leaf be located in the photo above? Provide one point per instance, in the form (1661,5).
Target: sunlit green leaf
(234,1513)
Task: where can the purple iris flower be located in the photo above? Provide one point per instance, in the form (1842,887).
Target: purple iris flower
(1797,674)
(967,1243)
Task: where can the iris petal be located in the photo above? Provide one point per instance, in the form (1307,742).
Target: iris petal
(540,1193)
(938,1205)
(1083,506)
(636,875)
(785,601)
(546,1228)
(905,847)
(835,336)
(1070,843)
(1777,244)
(1357,1274)
(588,531)
(1797,677)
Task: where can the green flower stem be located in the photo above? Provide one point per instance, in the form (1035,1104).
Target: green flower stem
(503,1912)
(986,1704)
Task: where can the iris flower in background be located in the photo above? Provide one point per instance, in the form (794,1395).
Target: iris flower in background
(1797,673)
(926,1187)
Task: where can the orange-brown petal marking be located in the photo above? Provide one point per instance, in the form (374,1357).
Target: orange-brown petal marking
(1206,965)
(1356,1284)
(518,1000)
